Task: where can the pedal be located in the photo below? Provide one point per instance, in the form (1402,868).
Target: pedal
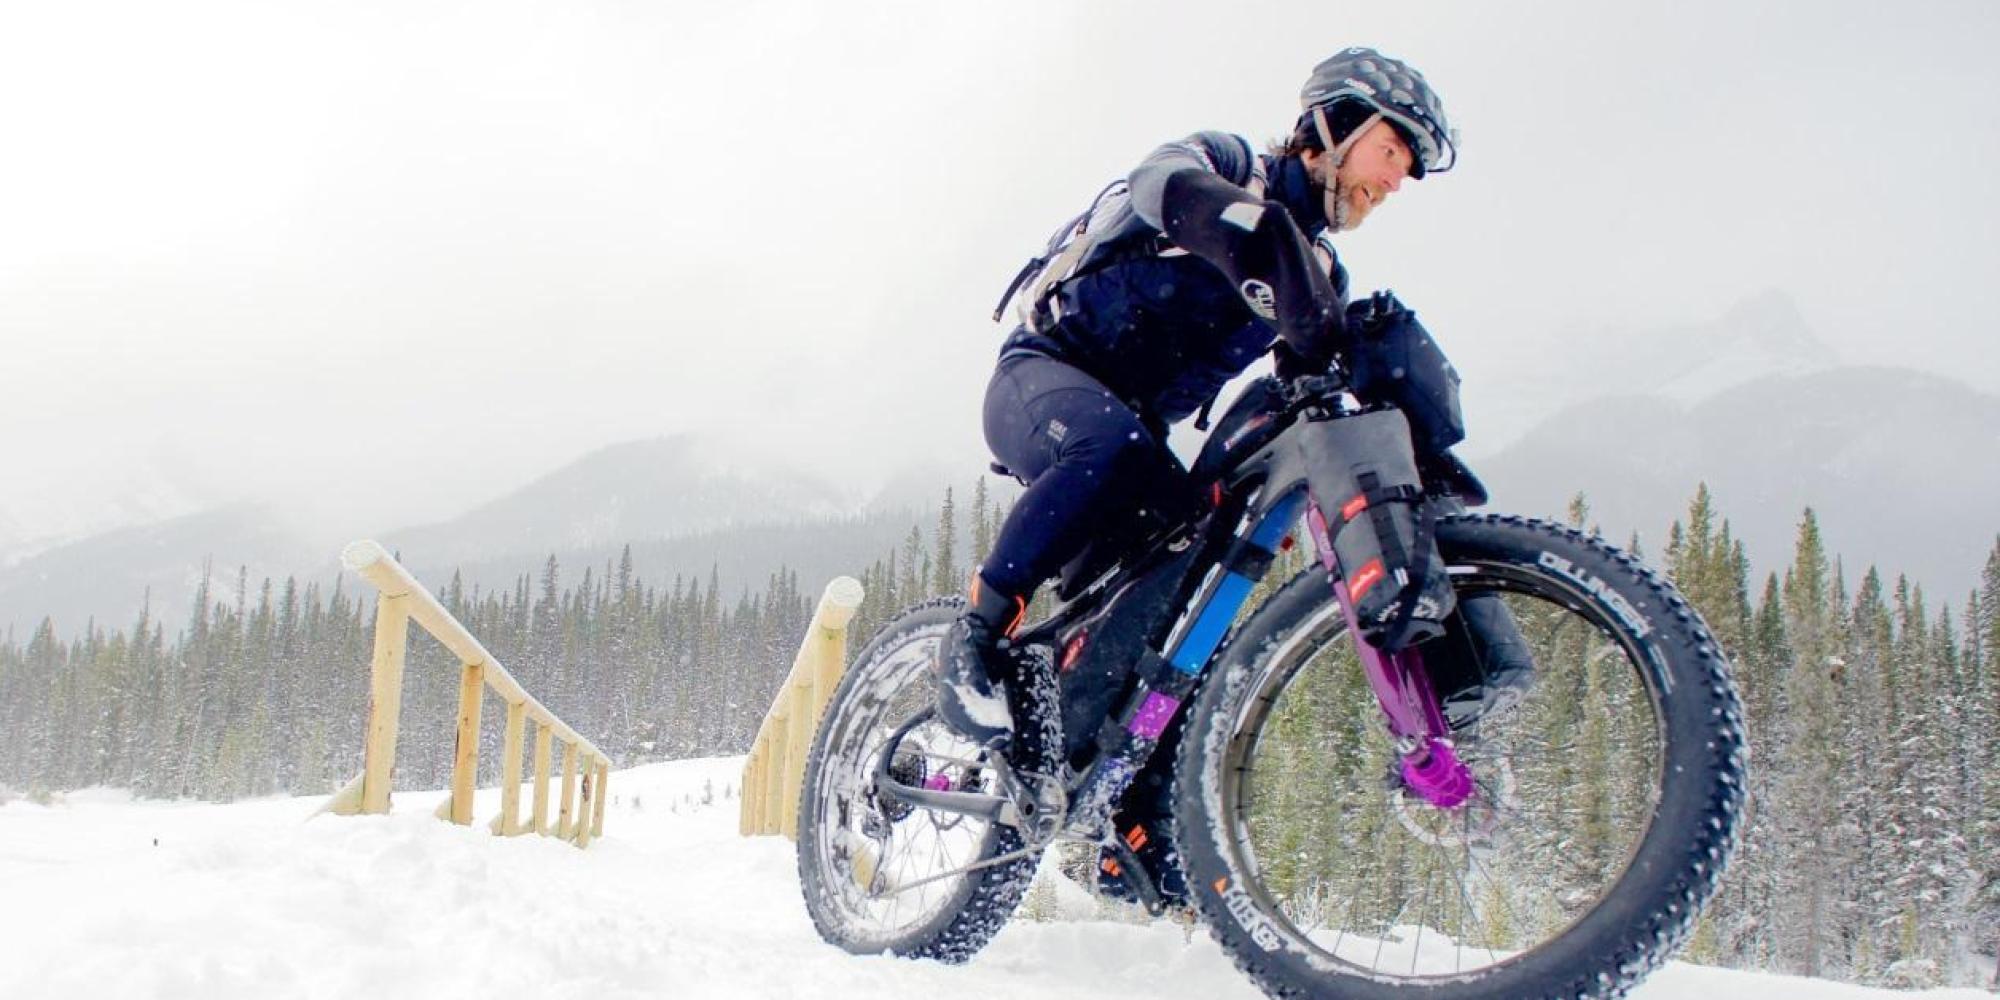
(1040,805)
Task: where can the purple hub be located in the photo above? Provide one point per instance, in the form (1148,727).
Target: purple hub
(939,782)
(1438,776)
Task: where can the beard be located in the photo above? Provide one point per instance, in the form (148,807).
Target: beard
(1344,210)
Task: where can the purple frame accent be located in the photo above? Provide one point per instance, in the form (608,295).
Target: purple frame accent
(1403,688)
(1153,716)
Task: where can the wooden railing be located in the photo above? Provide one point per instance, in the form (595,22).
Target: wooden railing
(402,600)
(777,761)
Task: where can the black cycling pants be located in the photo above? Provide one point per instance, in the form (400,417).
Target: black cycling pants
(1089,458)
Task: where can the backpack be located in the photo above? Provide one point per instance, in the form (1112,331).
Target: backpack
(1071,243)
(1057,261)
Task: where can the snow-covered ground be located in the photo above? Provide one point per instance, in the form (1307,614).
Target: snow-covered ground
(104,897)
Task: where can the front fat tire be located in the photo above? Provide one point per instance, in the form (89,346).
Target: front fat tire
(1645,914)
(981,902)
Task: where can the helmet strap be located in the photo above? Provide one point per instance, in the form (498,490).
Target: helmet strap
(1336,153)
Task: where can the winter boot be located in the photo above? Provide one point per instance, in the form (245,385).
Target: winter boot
(1481,665)
(972,662)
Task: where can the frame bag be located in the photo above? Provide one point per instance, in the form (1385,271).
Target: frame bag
(1364,479)
(1391,359)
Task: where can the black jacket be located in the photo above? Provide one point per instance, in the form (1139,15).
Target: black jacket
(1192,275)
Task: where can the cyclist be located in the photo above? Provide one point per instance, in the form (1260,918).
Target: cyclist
(1209,256)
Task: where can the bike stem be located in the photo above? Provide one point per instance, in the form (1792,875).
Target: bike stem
(1428,762)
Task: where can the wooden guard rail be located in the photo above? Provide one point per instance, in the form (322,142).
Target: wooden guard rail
(777,762)
(401,600)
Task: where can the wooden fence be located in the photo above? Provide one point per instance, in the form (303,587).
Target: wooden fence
(777,762)
(402,600)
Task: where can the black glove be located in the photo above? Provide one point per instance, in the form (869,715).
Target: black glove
(1368,316)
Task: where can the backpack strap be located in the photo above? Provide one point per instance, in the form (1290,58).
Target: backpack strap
(1081,240)
(1042,273)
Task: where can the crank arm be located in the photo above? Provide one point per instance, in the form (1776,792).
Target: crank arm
(992,808)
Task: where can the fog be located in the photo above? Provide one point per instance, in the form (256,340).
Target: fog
(377,262)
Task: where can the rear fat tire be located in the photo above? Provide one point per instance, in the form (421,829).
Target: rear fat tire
(1637,923)
(983,900)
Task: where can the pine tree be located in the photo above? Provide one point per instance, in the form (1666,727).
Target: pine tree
(1710,569)
(1923,841)
(1755,880)
(947,577)
(911,586)
(982,529)
(1578,514)
(1984,908)
(1814,750)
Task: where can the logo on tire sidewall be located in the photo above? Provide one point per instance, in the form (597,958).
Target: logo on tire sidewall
(1250,918)
(1617,603)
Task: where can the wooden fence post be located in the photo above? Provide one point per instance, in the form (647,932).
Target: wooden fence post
(564,829)
(597,808)
(385,701)
(465,755)
(752,803)
(585,806)
(774,759)
(542,741)
(510,770)
(798,743)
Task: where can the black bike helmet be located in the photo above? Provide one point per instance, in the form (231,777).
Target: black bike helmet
(1364,78)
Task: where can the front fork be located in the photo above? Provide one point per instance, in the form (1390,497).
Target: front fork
(1426,758)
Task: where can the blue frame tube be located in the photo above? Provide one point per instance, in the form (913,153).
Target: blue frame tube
(1232,590)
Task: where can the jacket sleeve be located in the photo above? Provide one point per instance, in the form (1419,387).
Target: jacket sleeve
(1226,156)
(1192,191)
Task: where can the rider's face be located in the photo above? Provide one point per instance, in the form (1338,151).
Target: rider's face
(1376,166)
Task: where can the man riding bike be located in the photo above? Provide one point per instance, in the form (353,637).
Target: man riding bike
(1207,257)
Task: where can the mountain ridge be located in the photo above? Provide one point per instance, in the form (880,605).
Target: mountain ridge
(1878,453)
(1751,403)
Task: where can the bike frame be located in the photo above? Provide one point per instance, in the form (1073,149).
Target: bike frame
(1273,486)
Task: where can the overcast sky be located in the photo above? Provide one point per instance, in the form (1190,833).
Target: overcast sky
(380,261)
